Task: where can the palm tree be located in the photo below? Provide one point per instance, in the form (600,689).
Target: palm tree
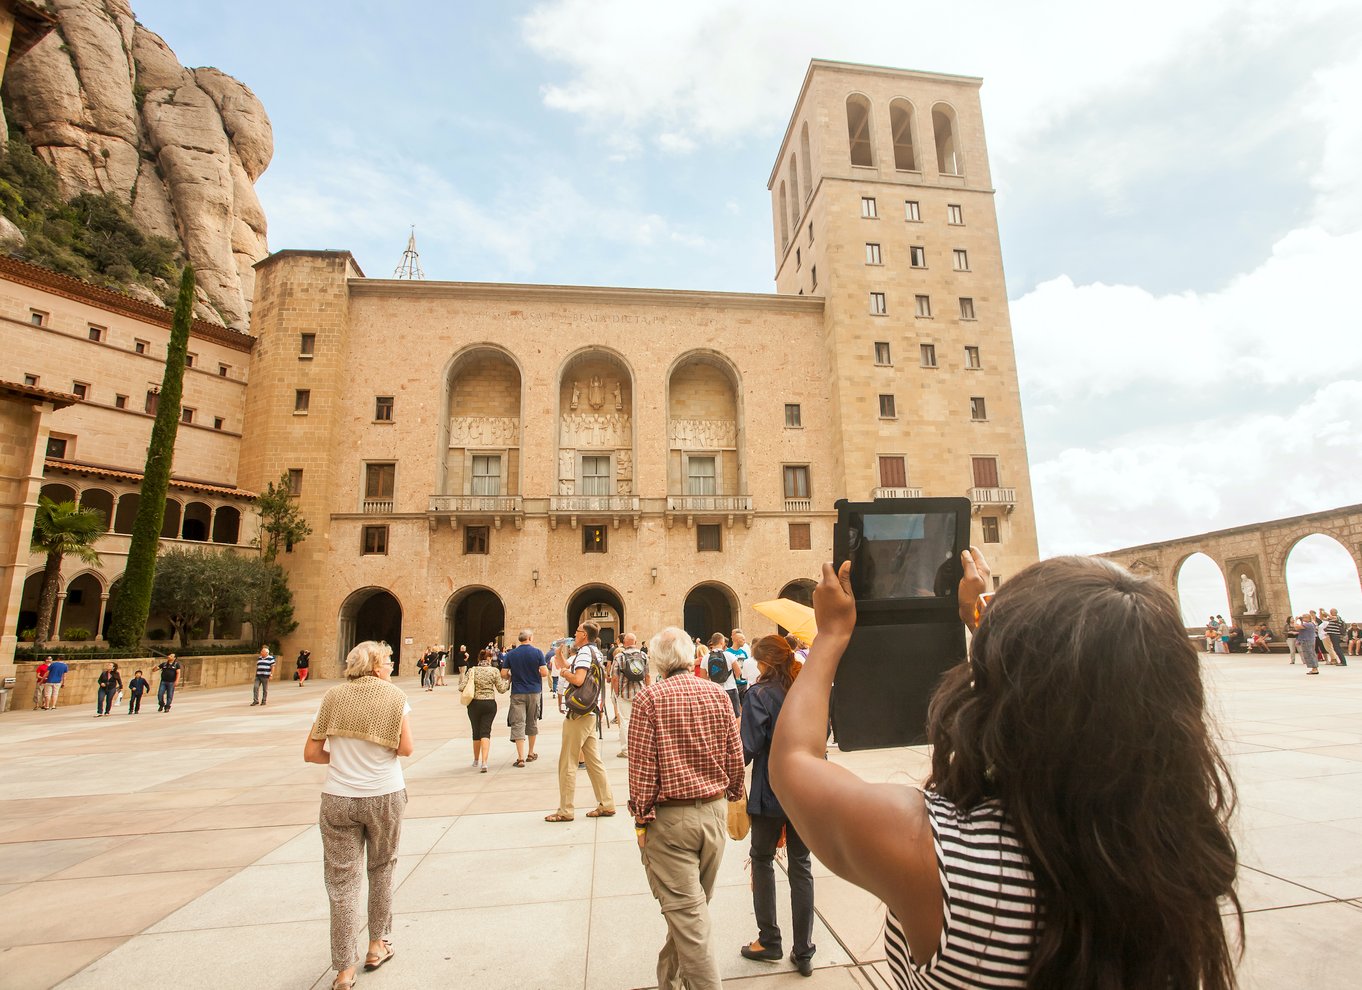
(61,528)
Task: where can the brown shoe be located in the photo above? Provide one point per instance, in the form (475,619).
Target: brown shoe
(600,813)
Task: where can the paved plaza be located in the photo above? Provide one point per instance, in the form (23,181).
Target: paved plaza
(181,850)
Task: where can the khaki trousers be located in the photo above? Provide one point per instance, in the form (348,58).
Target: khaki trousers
(580,734)
(681,856)
(352,827)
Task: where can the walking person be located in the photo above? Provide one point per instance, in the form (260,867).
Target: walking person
(482,710)
(1292,630)
(56,675)
(441,656)
(264,670)
(776,672)
(1331,635)
(631,677)
(170,670)
(110,683)
(524,669)
(1306,636)
(362,728)
(303,665)
(39,679)
(137,687)
(579,731)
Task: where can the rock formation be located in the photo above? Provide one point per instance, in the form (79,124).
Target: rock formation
(107,103)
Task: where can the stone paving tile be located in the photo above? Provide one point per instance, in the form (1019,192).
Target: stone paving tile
(213,849)
(23,862)
(47,965)
(1312,946)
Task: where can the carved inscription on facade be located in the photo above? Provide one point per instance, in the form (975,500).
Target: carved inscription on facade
(484,431)
(702,434)
(597,431)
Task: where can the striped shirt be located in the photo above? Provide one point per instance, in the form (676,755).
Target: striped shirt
(989,922)
(264,666)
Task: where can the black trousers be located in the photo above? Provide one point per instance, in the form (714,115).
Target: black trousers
(135,703)
(765,835)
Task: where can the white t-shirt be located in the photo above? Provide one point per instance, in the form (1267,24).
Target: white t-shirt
(360,768)
(743,654)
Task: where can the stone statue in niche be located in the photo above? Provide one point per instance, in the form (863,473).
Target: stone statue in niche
(565,486)
(624,464)
(567,464)
(1250,592)
(618,389)
(702,434)
(594,430)
(576,395)
(595,392)
(622,486)
(484,431)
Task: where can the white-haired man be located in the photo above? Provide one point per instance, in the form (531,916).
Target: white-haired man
(685,758)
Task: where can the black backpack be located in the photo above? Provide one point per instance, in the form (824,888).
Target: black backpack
(718,666)
(586,698)
(633,666)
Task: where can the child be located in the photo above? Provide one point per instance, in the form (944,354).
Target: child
(137,686)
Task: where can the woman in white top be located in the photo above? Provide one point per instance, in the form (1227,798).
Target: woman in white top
(360,731)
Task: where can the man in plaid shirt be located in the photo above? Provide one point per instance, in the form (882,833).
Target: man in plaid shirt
(685,758)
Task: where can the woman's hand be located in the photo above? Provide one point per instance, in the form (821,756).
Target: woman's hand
(973,582)
(834,606)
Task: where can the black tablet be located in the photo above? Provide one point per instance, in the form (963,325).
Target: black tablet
(904,552)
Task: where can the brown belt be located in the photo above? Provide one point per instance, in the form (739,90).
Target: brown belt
(696,802)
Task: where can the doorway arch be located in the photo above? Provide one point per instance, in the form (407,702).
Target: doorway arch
(600,604)
(1319,572)
(1201,590)
(474,616)
(370,613)
(799,590)
(710,607)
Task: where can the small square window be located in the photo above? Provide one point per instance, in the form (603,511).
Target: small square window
(307,344)
(922,305)
(960,260)
(966,308)
(911,211)
(96,334)
(972,357)
(796,481)
(877,304)
(186,414)
(380,481)
(954,215)
(120,402)
(928,352)
(810,231)
(887,407)
(593,539)
(31,381)
(153,402)
(295,481)
(868,208)
(223,369)
(813,274)
(872,254)
(141,346)
(985,470)
(80,390)
(218,422)
(375,540)
(709,538)
(977,409)
(917,256)
(37,318)
(893,472)
(799,536)
(383,408)
(190,359)
(56,447)
(793,418)
(882,352)
(798,257)
(476,539)
(302,399)
(486,480)
(989,524)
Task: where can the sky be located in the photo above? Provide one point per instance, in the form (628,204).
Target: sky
(1177,195)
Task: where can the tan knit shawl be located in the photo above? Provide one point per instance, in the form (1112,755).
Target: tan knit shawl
(365,708)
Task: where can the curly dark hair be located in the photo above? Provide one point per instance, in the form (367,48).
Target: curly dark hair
(1081,710)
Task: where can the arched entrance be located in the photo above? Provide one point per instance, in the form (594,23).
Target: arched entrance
(28,606)
(1320,573)
(370,613)
(710,608)
(473,618)
(797,591)
(1201,591)
(601,605)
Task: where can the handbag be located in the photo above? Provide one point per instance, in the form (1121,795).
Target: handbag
(466,695)
(739,821)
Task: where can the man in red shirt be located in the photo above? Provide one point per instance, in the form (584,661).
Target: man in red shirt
(685,758)
(40,678)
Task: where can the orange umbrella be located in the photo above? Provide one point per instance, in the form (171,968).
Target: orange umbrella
(794,616)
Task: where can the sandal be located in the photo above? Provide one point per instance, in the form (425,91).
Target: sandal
(600,813)
(518,763)
(555,817)
(343,984)
(378,961)
(532,757)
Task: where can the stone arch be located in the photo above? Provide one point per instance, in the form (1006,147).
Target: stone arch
(945,126)
(198,518)
(227,524)
(126,513)
(799,590)
(474,616)
(170,524)
(796,204)
(1308,595)
(860,145)
(806,155)
(482,416)
(82,606)
(710,607)
(58,491)
(581,604)
(784,218)
(369,613)
(1200,591)
(101,500)
(28,601)
(703,426)
(596,424)
(902,125)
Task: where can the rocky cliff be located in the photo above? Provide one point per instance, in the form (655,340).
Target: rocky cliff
(108,105)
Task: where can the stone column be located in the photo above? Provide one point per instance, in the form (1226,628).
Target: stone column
(57,616)
(99,626)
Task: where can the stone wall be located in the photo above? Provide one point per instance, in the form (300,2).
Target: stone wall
(81,683)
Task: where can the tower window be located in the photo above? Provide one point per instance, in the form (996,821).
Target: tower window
(955,215)
(97,334)
(872,254)
(882,352)
(901,127)
(31,381)
(961,260)
(594,539)
(799,536)
(307,344)
(486,474)
(793,417)
(380,481)
(218,422)
(858,131)
(977,409)
(120,402)
(595,474)
(295,481)
(813,274)
(223,369)
(985,470)
(796,478)
(37,317)
(476,539)
(383,409)
(972,357)
(911,212)
(868,208)
(989,524)
(186,414)
(141,346)
(56,447)
(701,476)
(375,540)
(923,305)
(80,390)
(798,259)
(893,472)
(302,399)
(709,538)
(928,352)
(190,360)
(917,256)
(877,304)
(887,410)
(966,308)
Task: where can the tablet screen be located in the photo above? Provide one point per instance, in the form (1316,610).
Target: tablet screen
(906,555)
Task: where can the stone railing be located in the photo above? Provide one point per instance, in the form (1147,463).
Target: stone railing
(380,506)
(798,504)
(709,503)
(476,504)
(594,503)
(1004,498)
(896,493)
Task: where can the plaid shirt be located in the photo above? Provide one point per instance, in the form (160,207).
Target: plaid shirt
(683,744)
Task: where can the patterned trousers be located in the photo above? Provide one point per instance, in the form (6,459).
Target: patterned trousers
(350,828)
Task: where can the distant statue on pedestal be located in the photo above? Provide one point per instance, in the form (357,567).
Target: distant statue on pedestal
(1250,591)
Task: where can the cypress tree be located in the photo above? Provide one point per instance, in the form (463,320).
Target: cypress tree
(134,601)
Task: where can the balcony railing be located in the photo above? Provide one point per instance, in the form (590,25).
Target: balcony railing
(896,493)
(475,504)
(378,505)
(593,503)
(798,504)
(709,503)
(1004,498)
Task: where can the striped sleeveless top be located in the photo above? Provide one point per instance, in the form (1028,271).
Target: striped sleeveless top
(990,910)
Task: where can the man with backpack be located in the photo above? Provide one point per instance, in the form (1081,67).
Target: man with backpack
(724,670)
(631,677)
(586,686)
